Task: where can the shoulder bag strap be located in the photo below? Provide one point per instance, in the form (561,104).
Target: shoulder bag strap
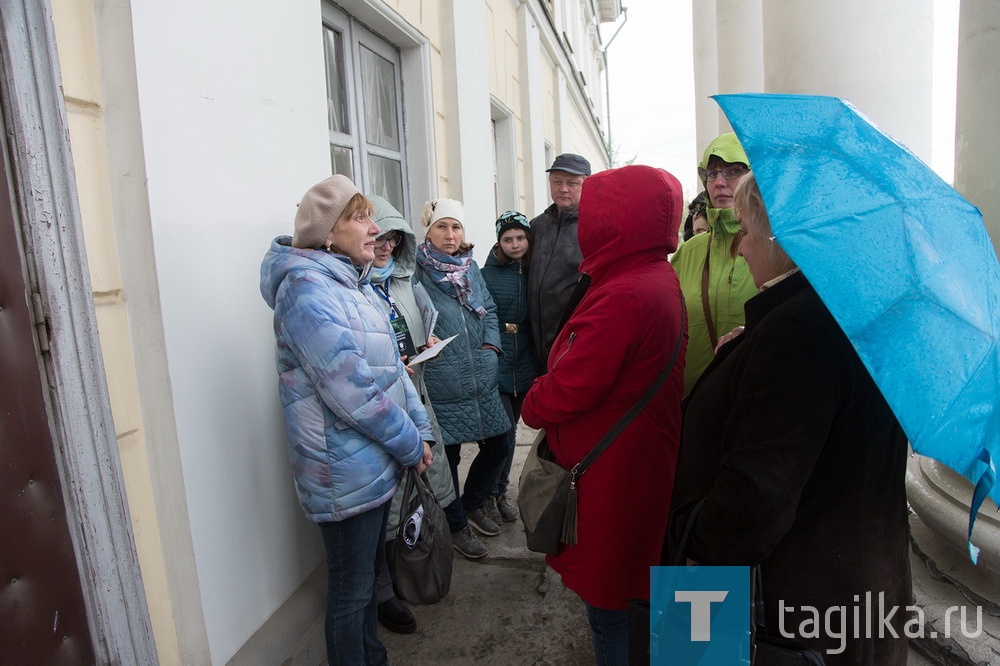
(704,298)
(680,558)
(579,291)
(630,415)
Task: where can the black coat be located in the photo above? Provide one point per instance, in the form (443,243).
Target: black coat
(802,466)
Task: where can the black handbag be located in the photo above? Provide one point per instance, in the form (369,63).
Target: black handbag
(639,609)
(423,552)
(765,650)
(546,494)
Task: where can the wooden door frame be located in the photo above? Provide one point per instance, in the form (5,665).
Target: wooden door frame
(47,208)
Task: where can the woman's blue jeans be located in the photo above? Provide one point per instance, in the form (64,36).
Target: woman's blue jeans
(609,632)
(351,608)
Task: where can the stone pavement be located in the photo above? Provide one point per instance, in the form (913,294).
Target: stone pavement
(510,609)
(507,608)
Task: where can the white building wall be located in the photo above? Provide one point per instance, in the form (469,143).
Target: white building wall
(467,133)
(234,129)
(535,109)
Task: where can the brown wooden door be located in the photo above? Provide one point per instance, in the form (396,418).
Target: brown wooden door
(43,618)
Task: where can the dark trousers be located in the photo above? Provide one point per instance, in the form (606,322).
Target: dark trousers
(511,403)
(484,472)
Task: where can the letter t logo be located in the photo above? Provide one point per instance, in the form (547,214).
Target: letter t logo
(701,607)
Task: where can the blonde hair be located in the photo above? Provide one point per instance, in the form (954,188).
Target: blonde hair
(356,204)
(748,206)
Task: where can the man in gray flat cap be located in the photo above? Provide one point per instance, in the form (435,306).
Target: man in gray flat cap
(555,251)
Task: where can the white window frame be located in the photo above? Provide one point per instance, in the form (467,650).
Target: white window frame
(355,36)
(504,157)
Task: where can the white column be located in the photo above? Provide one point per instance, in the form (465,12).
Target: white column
(939,496)
(532,112)
(706,73)
(977,131)
(728,58)
(740,49)
(564,137)
(877,55)
(469,134)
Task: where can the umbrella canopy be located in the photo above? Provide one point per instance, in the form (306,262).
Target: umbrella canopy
(902,261)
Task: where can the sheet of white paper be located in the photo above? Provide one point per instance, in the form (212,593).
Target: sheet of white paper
(428,313)
(430,352)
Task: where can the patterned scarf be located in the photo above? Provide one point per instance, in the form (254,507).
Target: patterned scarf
(380,275)
(449,273)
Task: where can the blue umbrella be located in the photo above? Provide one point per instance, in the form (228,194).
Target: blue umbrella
(902,261)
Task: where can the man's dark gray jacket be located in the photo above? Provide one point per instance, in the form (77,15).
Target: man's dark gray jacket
(555,268)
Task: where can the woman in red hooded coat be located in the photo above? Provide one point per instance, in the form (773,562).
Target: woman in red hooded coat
(614,346)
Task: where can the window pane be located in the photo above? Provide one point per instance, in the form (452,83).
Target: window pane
(378,77)
(336,97)
(342,160)
(387,180)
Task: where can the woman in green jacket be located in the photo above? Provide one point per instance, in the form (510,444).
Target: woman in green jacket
(709,265)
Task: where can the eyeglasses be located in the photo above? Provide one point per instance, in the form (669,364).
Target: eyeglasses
(729,173)
(392,239)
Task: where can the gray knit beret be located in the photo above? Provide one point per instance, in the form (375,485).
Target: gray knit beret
(319,210)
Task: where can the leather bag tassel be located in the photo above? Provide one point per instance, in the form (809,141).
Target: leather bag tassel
(569,522)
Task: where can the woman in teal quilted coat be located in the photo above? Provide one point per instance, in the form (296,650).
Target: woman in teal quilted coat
(462,380)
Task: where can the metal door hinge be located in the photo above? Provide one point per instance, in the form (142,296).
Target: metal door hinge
(41,323)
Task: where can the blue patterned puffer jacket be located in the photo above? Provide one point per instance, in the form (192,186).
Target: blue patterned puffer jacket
(352,416)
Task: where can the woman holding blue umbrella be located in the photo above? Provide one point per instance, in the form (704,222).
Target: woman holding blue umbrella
(800,465)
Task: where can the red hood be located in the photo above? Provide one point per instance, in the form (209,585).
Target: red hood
(627,212)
